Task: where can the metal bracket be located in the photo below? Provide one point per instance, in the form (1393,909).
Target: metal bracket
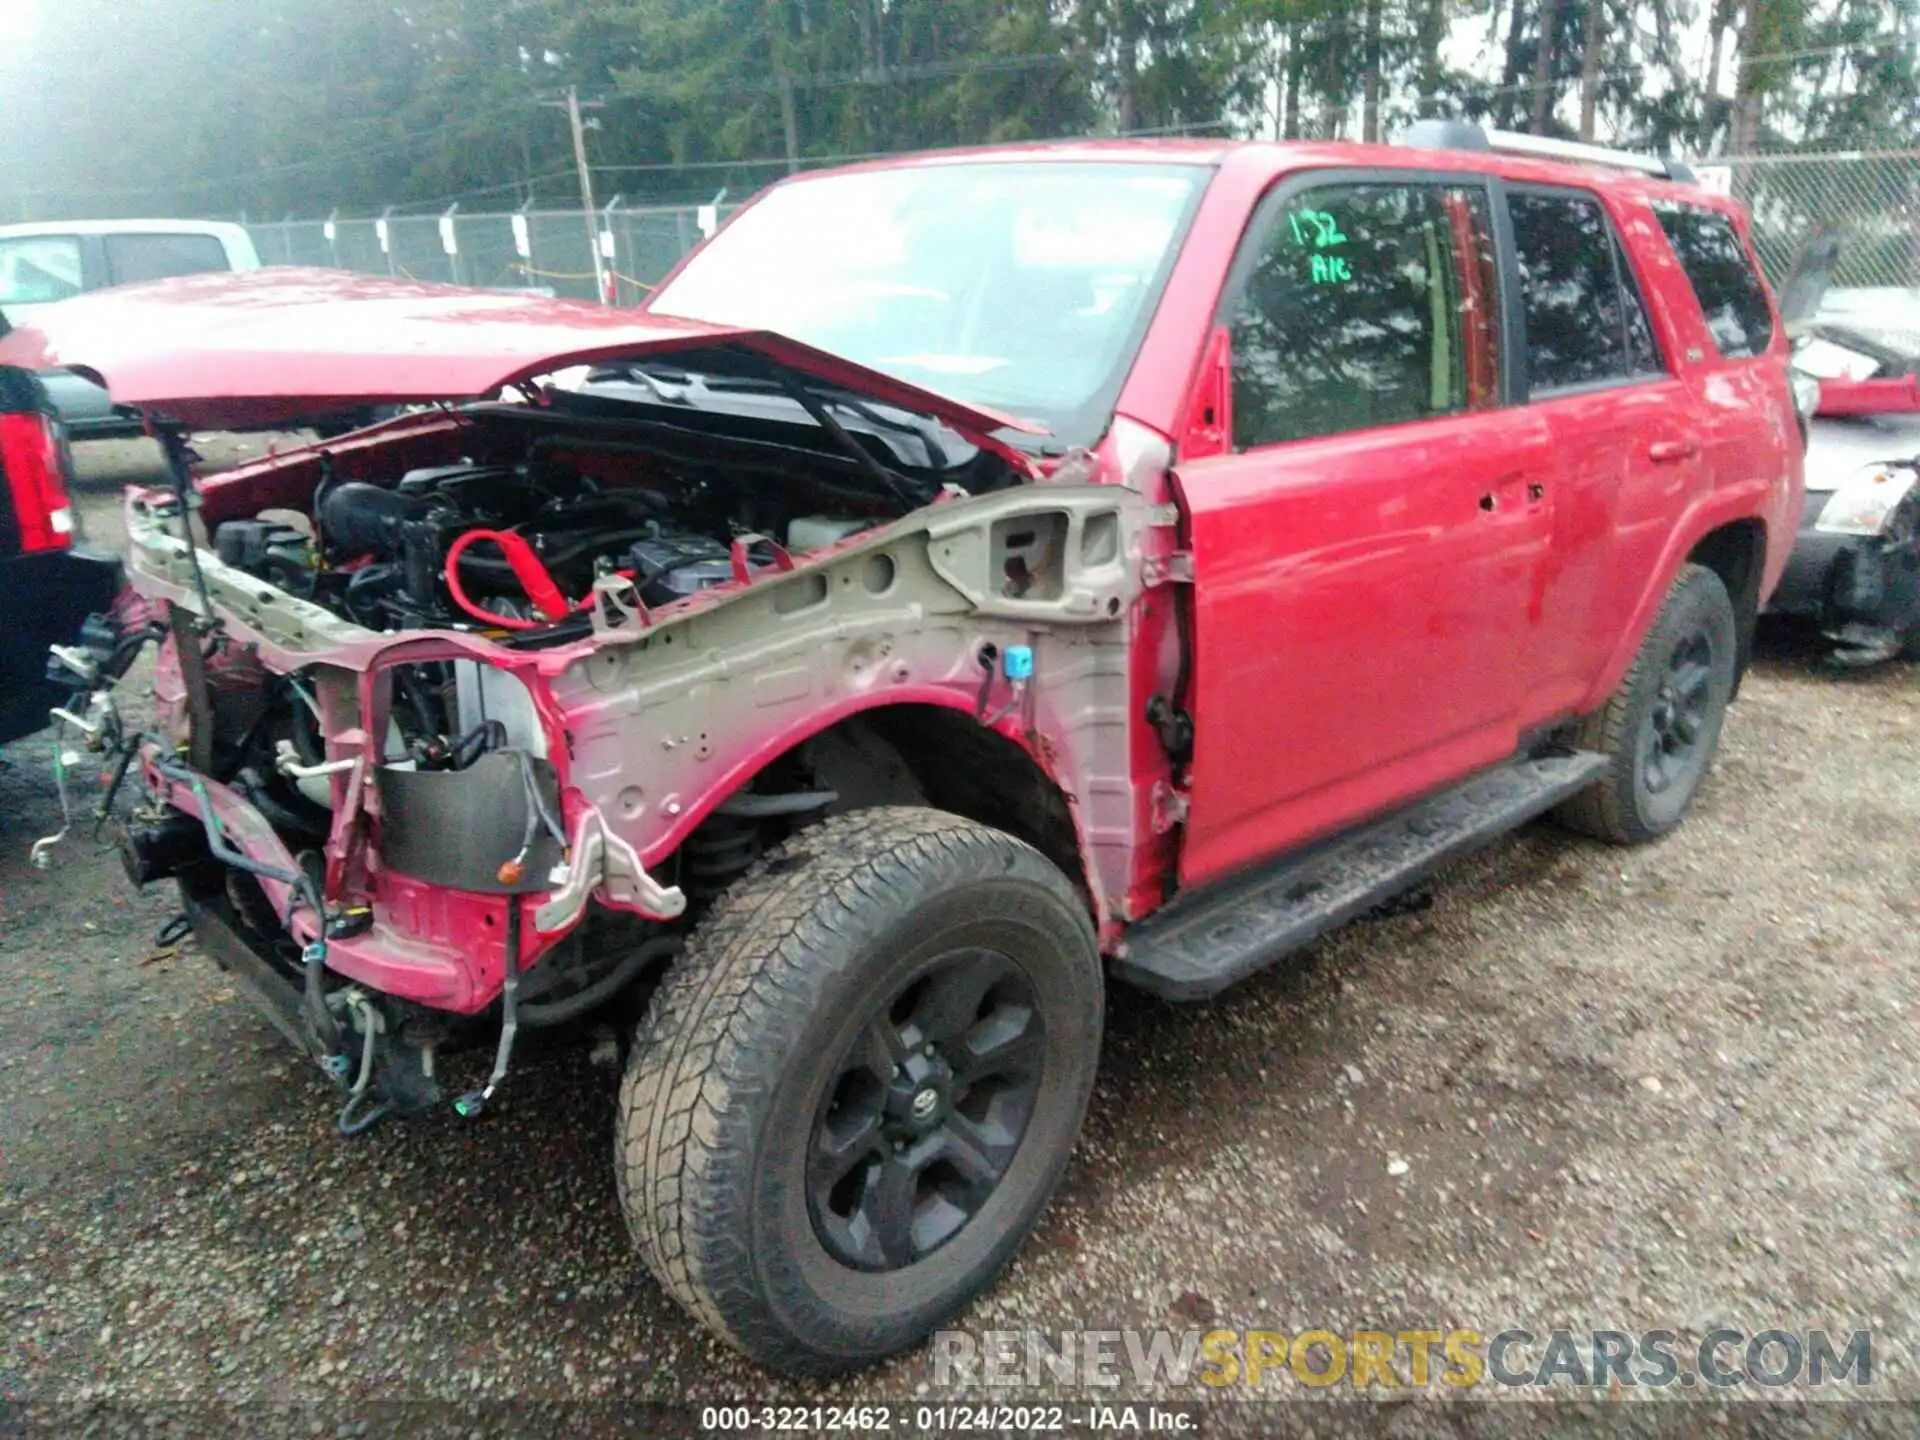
(193,673)
(76,660)
(1175,567)
(1170,807)
(615,600)
(600,859)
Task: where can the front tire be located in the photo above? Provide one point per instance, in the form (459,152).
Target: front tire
(1661,727)
(853,1096)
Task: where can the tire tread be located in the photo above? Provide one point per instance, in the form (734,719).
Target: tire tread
(1602,810)
(697,1059)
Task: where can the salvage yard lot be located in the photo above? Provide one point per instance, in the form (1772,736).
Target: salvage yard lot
(1589,1088)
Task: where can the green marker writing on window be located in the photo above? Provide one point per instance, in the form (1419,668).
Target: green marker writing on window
(1315,228)
(1319,232)
(1330,269)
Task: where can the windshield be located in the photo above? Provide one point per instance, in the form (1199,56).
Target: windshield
(1020,287)
(35,269)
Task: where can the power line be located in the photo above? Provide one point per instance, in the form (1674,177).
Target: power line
(266,172)
(525,182)
(870,75)
(884,75)
(854,156)
(1476,91)
(1207,128)
(1870,42)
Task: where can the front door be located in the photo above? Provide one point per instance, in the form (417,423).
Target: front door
(1369,552)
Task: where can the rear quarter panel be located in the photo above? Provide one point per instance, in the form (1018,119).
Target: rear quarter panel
(1749,439)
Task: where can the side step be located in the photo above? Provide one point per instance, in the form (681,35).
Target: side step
(1200,945)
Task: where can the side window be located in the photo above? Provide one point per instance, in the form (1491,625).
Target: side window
(35,269)
(156,257)
(1723,279)
(1366,305)
(1586,323)
(1643,355)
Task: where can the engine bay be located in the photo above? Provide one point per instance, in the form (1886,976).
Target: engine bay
(509,521)
(507,546)
(672,477)
(513,534)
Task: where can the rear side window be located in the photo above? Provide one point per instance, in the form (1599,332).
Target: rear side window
(1586,323)
(1366,305)
(132,258)
(1723,279)
(35,269)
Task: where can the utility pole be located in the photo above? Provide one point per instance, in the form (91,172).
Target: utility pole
(573,106)
(789,122)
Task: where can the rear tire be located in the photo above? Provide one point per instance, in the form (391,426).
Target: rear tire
(1662,725)
(853,1096)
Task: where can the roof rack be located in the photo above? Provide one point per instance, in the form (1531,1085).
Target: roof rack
(1465,135)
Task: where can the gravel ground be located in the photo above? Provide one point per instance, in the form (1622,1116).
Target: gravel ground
(1588,1089)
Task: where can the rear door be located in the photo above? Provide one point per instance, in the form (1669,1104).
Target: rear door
(1749,421)
(1366,552)
(1626,434)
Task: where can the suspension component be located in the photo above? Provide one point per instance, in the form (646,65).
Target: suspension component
(719,851)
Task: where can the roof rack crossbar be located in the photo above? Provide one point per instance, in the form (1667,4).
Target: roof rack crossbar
(1516,142)
(1465,135)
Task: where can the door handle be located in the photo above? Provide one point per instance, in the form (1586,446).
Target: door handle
(1667,452)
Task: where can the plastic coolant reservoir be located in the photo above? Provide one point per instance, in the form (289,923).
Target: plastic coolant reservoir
(810,532)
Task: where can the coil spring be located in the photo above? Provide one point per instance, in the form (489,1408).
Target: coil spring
(719,852)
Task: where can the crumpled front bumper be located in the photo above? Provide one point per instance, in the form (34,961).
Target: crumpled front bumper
(417,941)
(1865,582)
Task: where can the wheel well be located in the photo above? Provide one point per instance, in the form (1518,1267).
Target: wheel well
(1736,552)
(959,765)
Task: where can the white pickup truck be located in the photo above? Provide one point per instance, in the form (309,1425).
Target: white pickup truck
(42,264)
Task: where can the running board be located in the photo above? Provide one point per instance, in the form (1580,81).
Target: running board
(1200,945)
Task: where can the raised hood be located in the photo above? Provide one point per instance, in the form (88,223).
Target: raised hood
(271,346)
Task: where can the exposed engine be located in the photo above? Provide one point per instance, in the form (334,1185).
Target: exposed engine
(675,480)
(509,535)
(533,525)
(516,546)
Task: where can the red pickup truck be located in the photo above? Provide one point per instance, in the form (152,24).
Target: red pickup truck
(971,578)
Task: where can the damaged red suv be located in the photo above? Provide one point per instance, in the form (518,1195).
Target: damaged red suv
(972,578)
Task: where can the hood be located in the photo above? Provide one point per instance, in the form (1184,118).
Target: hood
(267,347)
(1806,284)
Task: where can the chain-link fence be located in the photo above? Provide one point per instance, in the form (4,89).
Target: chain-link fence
(1871,200)
(544,250)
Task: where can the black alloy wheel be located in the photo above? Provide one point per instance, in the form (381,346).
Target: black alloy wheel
(926,1112)
(1660,727)
(1670,749)
(858,1086)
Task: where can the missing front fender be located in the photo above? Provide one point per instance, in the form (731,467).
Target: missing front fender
(479,829)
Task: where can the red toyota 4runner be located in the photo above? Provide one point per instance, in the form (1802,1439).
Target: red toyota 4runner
(971,577)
